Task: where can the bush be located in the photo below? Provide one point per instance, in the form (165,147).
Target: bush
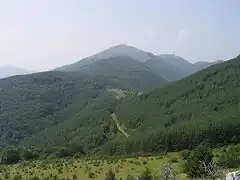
(62,152)
(91,174)
(144,162)
(229,158)
(194,165)
(34,178)
(173,160)
(9,156)
(130,177)
(110,175)
(146,175)
(29,154)
(185,154)
(17,177)
(74,177)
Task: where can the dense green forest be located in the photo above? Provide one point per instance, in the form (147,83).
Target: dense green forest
(130,73)
(50,110)
(58,109)
(204,107)
(35,103)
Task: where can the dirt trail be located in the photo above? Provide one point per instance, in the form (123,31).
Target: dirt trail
(115,119)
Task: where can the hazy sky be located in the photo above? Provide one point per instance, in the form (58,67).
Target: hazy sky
(43,34)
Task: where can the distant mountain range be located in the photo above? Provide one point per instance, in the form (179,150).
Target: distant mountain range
(204,64)
(8,71)
(127,60)
(168,67)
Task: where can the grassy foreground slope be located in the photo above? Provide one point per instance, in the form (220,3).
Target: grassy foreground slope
(94,169)
(202,107)
(85,168)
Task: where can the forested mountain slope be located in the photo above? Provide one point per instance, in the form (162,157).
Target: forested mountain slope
(165,69)
(124,70)
(182,66)
(60,109)
(202,107)
(35,104)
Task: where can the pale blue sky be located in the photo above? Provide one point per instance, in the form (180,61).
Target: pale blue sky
(43,34)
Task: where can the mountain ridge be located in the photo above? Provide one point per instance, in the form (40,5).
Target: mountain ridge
(118,50)
(8,71)
(166,66)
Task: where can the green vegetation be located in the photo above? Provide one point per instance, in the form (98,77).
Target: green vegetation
(201,108)
(167,166)
(131,74)
(101,169)
(120,61)
(66,113)
(45,109)
(101,114)
(201,156)
(120,128)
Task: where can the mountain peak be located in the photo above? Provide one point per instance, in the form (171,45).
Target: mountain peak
(121,46)
(122,50)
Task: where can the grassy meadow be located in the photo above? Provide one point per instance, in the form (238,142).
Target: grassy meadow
(70,168)
(83,169)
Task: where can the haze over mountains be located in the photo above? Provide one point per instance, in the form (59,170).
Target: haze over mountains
(168,66)
(8,71)
(165,66)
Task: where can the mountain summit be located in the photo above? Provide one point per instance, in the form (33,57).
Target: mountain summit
(115,51)
(127,61)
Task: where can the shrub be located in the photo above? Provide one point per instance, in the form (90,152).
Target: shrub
(17,177)
(173,160)
(229,158)
(34,178)
(144,162)
(146,175)
(110,175)
(9,156)
(74,177)
(29,154)
(130,177)
(185,154)
(91,174)
(194,165)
